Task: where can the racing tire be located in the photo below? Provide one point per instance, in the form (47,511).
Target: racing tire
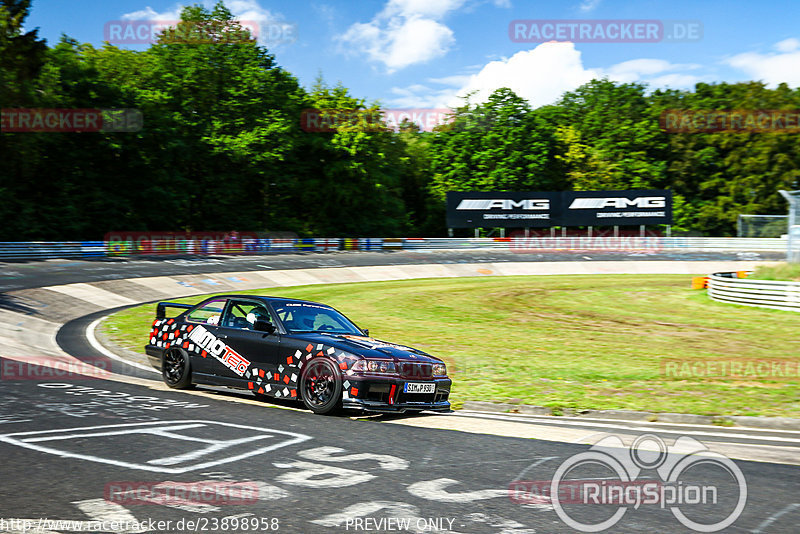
(321,387)
(176,370)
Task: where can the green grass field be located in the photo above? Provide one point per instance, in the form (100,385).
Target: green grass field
(579,342)
(782,271)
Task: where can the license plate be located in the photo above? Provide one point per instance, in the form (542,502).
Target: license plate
(419,387)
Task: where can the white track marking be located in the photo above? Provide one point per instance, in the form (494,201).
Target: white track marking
(434,490)
(92,339)
(161,431)
(103,510)
(396,516)
(536,463)
(323,454)
(193,455)
(268,492)
(774,517)
(309,475)
(638,429)
(24,439)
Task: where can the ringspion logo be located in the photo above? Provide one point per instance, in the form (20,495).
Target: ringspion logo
(705,491)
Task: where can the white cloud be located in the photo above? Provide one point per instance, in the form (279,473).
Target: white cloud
(643,70)
(422,96)
(434,9)
(149,13)
(675,81)
(270,28)
(788,45)
(772,68)
(542,75)
(589,5)
(404,33)
(457,80)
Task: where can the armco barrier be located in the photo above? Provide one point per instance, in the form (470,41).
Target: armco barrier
(528,244)
(41,250)
(725,287)
(45,250)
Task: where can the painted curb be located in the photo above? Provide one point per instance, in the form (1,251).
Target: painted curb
(773,423)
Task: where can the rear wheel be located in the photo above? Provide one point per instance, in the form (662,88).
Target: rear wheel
(176,369)
(321,387)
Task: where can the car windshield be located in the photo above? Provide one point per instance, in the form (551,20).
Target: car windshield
(300,317)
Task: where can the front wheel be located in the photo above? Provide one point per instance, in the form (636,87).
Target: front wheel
(176,369)
(321,387)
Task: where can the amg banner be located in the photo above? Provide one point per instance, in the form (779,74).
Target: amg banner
(568,208)
(515,210)
(617,208)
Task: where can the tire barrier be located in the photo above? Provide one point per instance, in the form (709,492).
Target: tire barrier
(731,287)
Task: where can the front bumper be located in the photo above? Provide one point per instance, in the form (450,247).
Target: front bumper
(384,394)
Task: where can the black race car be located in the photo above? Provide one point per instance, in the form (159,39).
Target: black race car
(293,349)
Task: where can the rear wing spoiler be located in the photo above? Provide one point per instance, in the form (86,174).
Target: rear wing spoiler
(161,308)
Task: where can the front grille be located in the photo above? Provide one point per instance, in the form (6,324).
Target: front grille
(416,370)
(378,392)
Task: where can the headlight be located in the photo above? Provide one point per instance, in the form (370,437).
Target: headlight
(375,366)
(439,369)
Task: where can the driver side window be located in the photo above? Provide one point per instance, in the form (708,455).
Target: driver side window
(243,314)
(209,313)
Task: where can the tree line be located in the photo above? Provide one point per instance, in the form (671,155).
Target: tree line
(222,146)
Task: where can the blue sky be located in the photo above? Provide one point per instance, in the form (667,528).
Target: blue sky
(425,53)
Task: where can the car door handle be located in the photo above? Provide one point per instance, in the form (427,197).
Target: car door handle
(222,336)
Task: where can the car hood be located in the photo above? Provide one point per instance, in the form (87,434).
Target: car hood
(369,347)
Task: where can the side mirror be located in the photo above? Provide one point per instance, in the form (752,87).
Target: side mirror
(366,331)
(264,326)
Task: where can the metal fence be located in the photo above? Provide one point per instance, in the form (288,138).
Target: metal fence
(779,295)
(519,244)
(761,225)
(94,249)
(42,250)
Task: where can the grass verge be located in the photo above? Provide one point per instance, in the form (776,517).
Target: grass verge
(578,342)
(782,271)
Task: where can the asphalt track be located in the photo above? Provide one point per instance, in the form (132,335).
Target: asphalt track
(312,474)
(24,275)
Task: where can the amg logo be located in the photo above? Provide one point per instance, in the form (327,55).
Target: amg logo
(618,203)
(219,350)
(483,204)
